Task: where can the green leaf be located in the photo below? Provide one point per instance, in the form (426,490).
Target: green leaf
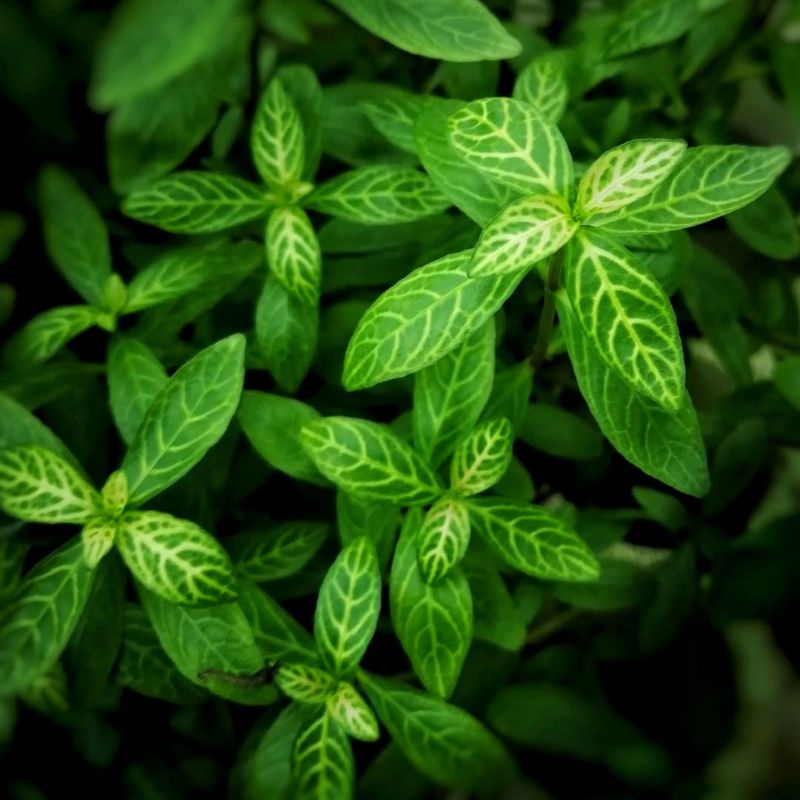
(370,461)
(483,457)
(322,760)
(543,83)
(433,623)
(185,419)
(197,202)
(293,253)
(533,540)
(302,86)
(627,316)
(450,394)
(37,624)
(524,232)
(379,195)
(97,537)
(451,30)
(38,485)
(286,331)
(443,537)
(44,335)
(647,23)
(19,427)
(175,558)
(510,394)
(496,618)
(668,446)
(278,552)
(395,115)
(75,234)
(305,683)
(559,433)
(626,173)
(376,519)
(709,182)
(442,741)
(511,142)
(768,226)
(422,318)
(348,708)
(348,606)
(276,139)
(135,377)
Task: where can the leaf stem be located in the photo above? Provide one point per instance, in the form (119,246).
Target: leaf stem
(552,626)
(551,284)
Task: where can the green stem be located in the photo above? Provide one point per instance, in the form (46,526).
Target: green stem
(552,626)
(551,284)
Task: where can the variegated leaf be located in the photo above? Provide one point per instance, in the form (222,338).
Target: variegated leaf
(443,539)
(543,83)
(305,683)
(483,457)
(293,253)
(322,759)
(97,536)
(351,711)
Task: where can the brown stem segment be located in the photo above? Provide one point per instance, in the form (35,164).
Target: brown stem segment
(551,284)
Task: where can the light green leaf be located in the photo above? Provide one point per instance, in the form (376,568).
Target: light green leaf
(38,485)
(511,142)
(379,195)
(533,540)
(135,376)
(369,460)
(322,760)
(450,394)
(483,457)
(97,537)
(626,173)
(442,741)
(293,253)
(75,234)
(185,419)
(305,683)
(451,30)
(114,494)
(626,315)
(422,318)
(197,202)
(348,606)
(709,181)
(443,538)
(38,623)
(433,623)
(277,140)
(395,115)
(286,331)
(278,552)
(666,445)
(524,232)
(175,558)
(543,83)
(647,23)
(348,708)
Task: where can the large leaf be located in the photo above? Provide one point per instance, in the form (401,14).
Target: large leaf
(293,253)
(185,419)
(322,759)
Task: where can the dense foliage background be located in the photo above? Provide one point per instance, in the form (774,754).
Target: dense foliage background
(675,673)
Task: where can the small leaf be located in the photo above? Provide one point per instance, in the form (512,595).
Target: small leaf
(293,253)
(370,461)
(37,485)
(348,708)
(348,606)
(543,83)
(44,335)
(115,493)
(97,536)
(533,540)
(322,759)
(443,537)
(483,457)
(175,558)
(305,683)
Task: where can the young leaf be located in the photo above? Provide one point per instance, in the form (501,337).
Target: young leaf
(75,234)
(97,537)
(37,624)
(348,606)
(443,537)
(44,335)
(322,759)
(422,318)
(277,140)
(379,195)
(442,741)
(626,173)
(433,623)
(197,202)
(450,394)
(185,419)
(348,708)
(513,143)
(533,540)
(451,30)
(305,683)
(524,232)
(38,485)
(626,315)
(175,558)
(666,445)
(709,182)
(483,457)
(543,83)
(293,253)
(369,460)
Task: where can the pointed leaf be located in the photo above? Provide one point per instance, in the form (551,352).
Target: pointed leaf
(483,457)
(97,537)
(322,759)
(350,710)
(293,253)
(305,683)
(44,335)
(543,83)
(443,538)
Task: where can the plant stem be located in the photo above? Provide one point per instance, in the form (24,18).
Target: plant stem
(552,626)
(551,284)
